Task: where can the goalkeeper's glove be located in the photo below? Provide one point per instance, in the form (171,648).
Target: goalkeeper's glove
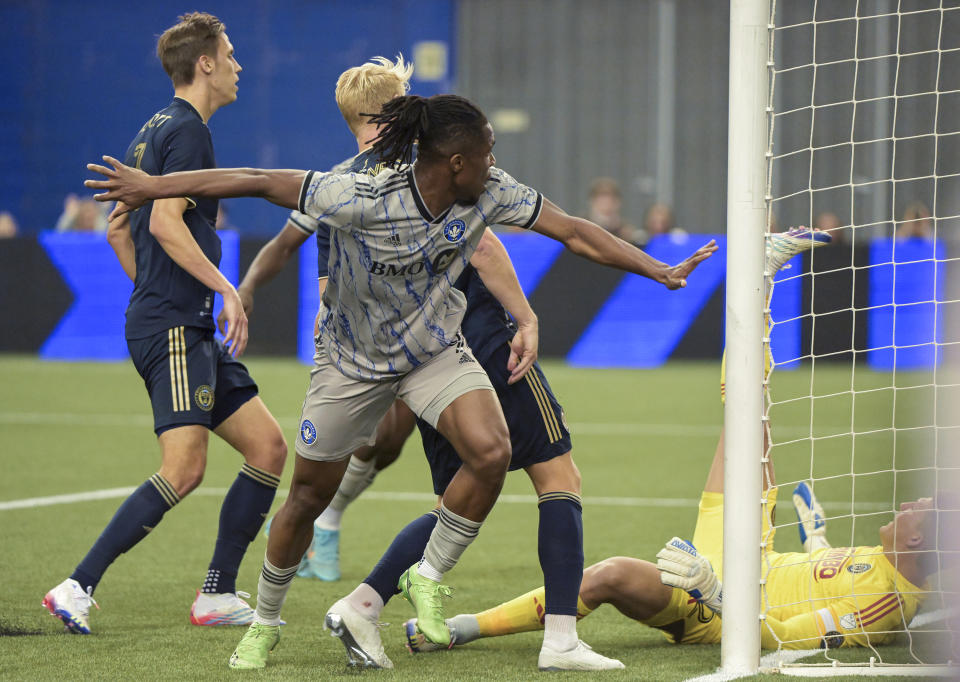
(812,524)
(681,566)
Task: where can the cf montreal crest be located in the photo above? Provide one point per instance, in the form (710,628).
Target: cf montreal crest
(453,231)
(308,432)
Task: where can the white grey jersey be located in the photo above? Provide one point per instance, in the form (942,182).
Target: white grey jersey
(364,162)
(390,304)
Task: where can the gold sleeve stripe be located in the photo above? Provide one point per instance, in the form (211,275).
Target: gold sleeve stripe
(260,476)
(184,380)
(171,353)
(549,419)
(166,490)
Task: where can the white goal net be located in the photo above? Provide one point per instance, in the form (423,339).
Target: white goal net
(863,403)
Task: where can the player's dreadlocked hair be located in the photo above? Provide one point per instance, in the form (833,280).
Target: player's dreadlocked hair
(431,124)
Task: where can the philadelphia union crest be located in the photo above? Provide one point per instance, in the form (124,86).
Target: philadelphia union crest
(308,432)
(203,397)
(453,231)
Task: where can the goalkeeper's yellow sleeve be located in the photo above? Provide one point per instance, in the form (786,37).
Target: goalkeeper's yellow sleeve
(841,623)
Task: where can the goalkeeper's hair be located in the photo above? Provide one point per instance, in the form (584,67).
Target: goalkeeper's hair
(369,86)
(438,126)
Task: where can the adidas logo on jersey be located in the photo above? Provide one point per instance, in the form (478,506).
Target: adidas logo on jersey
(464,359)
(393,240)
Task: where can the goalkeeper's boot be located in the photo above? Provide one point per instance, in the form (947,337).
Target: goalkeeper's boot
(71,604)
(580,657)
(221,609)
(782,246)
(359,634)
(302,571)
(418,644)
(322,560)
(426,597)
(811,521)
(258,641)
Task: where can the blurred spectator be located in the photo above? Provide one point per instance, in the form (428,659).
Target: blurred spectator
(605,205)
(829,222)
(658,220)
(81,215)
(916,222)
(8,225)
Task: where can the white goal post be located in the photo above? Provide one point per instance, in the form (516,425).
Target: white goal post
(849,108)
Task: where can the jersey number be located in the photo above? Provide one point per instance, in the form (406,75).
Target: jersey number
(138,152)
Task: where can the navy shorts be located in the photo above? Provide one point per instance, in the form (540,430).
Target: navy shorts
(535,419)
(191,378)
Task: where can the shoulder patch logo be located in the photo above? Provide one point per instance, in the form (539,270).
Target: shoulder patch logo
(859,568)
(308,432)
(848,621)
(203,397)
(453,231)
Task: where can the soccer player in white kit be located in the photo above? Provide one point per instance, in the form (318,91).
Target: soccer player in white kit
(390,322)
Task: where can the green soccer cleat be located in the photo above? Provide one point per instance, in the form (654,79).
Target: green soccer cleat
(257,642)
(425,595)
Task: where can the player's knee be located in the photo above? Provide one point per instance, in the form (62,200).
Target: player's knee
(387,449)
(270,452)
(186,480)
(492,460)
(306,502)
(603,579)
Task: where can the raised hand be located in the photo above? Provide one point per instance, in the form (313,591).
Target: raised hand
(123,184)
(681,566)
(676,277)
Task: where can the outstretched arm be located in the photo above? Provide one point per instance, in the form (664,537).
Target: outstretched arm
(134,188)
(496,270)
(591,241)
(270,260)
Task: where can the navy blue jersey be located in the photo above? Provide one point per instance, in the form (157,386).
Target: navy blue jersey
(485,325)
(364,162)
(164,294)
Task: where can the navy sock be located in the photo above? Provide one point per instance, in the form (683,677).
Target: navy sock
(241,516)
(405,550)
(560,546)
(138,515)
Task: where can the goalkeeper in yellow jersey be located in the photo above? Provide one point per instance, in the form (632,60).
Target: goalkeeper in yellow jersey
(823,597)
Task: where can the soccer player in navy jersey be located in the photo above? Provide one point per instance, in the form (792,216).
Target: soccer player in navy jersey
(171,250)
(390,322)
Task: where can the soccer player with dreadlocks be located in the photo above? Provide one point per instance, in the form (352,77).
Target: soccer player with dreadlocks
(390,322)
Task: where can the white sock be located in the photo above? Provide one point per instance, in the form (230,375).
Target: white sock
(329,519)
(357,478)
(427,571)
(366,601)
(560,632)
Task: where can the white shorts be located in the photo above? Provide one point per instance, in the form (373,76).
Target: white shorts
(341,414)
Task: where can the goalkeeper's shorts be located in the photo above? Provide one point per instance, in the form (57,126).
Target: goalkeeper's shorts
(684,620)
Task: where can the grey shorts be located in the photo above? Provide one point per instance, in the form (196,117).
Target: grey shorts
(341,414)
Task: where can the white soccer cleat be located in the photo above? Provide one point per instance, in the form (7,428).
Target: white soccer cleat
(221,609)
(68,602)
(580,657)
(782,246)
(811,521)
(359,634)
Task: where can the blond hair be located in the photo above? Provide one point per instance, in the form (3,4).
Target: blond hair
(365,89)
